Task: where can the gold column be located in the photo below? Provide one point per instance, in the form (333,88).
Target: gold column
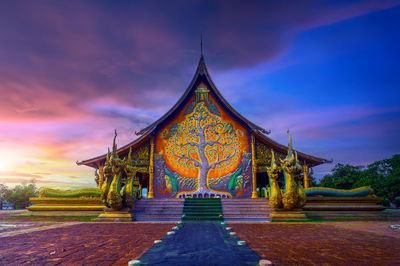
(101,176)
(254,168)
(150,193)
(305,174)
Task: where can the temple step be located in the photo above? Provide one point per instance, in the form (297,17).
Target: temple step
(198,209)
(246,210)
(158,210)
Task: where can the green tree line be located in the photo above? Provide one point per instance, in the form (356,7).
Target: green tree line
(383,177)
(17,197)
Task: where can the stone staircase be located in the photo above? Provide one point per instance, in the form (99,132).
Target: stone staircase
(158,210)
(202,209)
(246,210)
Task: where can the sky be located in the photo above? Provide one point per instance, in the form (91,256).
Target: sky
(73,71)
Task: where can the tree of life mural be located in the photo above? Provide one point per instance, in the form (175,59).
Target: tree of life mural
(203,142)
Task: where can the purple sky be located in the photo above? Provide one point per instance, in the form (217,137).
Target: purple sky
(72,71)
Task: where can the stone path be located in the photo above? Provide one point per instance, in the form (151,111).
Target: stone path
(200,243)
(318,244)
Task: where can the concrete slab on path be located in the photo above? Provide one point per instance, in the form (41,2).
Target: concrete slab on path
(200,243)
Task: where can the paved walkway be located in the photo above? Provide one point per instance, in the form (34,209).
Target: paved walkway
(318,244)
(82,244)
(23,228)
(380,228)
(200,243)
(339,243)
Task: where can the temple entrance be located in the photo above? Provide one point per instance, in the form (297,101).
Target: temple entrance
(144,183)
(262,184)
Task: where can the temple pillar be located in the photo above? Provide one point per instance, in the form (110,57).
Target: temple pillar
(254,167)
(305,174)
(101,176)
(150,193)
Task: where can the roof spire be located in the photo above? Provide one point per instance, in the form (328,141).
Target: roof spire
(201,44)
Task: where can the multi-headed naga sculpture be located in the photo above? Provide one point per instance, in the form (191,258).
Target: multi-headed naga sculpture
(275,199)
(117,173)
(294,196)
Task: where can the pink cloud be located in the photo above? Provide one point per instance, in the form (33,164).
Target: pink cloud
(21,180)
(20,174)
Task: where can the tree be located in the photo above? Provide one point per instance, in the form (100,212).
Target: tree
(203,142)
(21,193)
(5,195)
(342,177)
(382,176)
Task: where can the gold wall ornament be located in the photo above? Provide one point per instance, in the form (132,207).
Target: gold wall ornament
(263,155)
(275,199)
(254,168)
(141,155)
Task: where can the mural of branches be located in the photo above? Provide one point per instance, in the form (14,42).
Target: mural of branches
(203,141)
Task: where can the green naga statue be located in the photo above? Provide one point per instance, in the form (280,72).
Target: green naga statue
(114,199)
(302,198)
(106,179)
(292,170)
(128,192)
(275,199)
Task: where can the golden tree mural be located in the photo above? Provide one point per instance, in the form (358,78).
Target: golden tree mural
(203,142)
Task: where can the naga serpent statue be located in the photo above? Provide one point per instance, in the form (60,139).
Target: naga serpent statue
(114,198)
(290,196)
(117,173)
(302,198)
(106,180)
(129,193)
(275,199)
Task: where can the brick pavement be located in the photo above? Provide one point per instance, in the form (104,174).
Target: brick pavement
(86,243)
(27,227)
(318,244)
(381,228)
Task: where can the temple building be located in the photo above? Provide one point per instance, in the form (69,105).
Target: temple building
(203,148)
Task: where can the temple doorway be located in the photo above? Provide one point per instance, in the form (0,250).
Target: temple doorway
(144,183)
(262,183)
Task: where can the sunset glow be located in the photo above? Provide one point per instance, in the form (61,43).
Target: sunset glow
(71,72)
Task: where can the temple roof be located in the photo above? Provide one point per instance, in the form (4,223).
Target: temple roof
(202,76)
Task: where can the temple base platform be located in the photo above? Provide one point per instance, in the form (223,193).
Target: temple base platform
(287,215)
(110,215)
(75,206)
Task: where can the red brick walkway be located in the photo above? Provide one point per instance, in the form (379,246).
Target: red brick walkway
(381,228)
(318,244)
(88,243)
